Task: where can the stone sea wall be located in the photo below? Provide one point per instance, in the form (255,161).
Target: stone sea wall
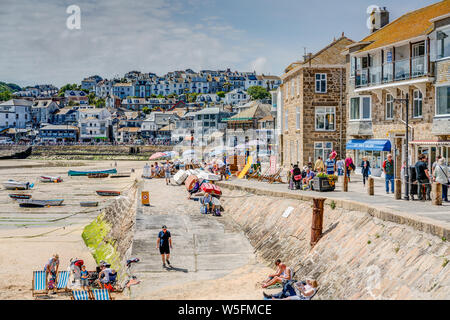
(110,235)
(358,257)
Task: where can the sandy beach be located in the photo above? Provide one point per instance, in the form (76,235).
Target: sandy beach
(29,236)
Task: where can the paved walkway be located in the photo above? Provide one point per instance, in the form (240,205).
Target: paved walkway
(440,215)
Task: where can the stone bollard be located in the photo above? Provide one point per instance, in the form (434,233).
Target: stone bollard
(370,186)
(437,194)
(345,185)
(317,220)
(398,189)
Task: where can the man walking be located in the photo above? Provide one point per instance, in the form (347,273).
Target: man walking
(423,178)
(388,169)
(330,163)
(167,172)
(164,244)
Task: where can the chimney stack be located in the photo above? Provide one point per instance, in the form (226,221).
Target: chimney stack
(379,18)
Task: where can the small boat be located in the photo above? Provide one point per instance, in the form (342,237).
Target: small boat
(108,193)
(89,204)
(17,185)
(86,173)
(19,196)
(121,175)
(98,175)
(39,203)
(51,179)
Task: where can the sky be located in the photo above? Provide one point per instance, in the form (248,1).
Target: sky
(116,36)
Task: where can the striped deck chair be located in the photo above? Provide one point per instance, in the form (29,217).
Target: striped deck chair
(101,294)
(62,281)
(80,295)
(39,285)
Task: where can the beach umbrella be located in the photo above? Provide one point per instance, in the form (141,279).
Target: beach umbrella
(158,155)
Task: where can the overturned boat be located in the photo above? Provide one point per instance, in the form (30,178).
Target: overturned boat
(39,203)
(108,193)
(20,196)
(17,185)
(87,173)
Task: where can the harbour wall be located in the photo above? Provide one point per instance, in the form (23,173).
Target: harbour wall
(109,237)
(359,256)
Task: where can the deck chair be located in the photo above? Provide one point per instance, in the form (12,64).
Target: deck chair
(269,177)
(101,294)
(254,175)
(62,280)
(39,285)
(276,177)
(264,175)
(80,295)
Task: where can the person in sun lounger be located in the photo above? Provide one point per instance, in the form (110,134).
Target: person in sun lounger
(283,273)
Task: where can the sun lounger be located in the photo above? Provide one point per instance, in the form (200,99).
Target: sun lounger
(276,177)
(101,294)
(264,175)
(80,295)
(39,285)
(62,281)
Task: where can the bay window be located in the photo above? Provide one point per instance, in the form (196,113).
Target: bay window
(360,108)
(443,43)
(443,101)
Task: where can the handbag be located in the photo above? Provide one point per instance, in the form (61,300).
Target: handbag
(298,177)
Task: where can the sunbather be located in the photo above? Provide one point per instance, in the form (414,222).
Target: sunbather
(283,273)
(295,290)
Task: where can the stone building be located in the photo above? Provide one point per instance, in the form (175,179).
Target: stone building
(313,107)
(402,60)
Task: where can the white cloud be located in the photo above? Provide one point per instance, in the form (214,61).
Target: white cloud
(259,65)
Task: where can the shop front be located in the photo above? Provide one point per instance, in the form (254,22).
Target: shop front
(431,149)
(375,150)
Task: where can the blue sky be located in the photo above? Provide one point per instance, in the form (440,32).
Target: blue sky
(164,35)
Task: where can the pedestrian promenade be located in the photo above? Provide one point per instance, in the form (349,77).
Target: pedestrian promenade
(421,215)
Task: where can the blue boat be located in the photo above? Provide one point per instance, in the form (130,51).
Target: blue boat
(85,173)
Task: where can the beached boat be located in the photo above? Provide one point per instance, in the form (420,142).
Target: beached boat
(108,193)
(98,175)
(120,175)
(89,203)
(86,173)
(19,196)
(17,185)
(39,203)
(51,179)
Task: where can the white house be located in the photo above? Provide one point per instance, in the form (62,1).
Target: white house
(236,96)
(94,124)
(42,111)
(15,113)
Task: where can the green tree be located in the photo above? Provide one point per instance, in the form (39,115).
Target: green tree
(227,86)
(91,98)
(5,96)
(100,103)
(146,110)
(221,94)
(258,93)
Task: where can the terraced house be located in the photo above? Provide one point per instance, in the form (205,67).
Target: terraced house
(313,113)
(408,58)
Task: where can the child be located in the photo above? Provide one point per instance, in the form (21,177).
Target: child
(84,278)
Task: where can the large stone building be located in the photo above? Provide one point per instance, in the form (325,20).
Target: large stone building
(313,106)
(405,59)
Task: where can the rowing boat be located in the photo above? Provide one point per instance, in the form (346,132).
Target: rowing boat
(19,196)
(98,175)
(121,175)
(51,179)
(17,185)
(39,203)
(108,193)
(89,204)
(86,173)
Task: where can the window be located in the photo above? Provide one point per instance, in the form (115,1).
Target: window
(389,107)
(443,100)
(297,118)
(286,120)
(322,149)
(360,108)
(325,118)
(417,104)
(293,87)
(443,43)
(321,83)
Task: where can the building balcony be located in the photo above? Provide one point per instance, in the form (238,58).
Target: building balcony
(392,72)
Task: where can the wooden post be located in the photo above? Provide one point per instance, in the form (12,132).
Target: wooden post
(398,189)
(371,186)
(317,220)
(345,185)
(437,194)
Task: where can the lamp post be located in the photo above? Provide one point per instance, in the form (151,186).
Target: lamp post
(406,101)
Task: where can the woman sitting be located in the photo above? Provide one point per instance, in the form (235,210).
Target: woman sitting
(295,291)
(283,273)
